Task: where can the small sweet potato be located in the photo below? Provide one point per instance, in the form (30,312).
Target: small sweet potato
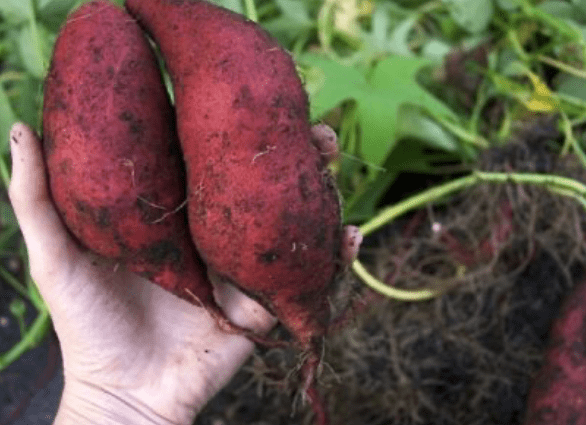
(263,210)
(115,167)
(558,394)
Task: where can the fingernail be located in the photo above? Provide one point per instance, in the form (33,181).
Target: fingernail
(13,141)
(15,135)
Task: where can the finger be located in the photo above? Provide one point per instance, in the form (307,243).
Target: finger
(48,243)
(240,309)
(351,244)
(325,140)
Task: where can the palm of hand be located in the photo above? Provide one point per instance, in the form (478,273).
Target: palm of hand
(130,333)
(120,334)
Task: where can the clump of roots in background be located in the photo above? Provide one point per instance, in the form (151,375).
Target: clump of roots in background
(511,253)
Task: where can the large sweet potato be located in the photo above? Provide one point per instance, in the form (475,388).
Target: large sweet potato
(115,167)
(263,210)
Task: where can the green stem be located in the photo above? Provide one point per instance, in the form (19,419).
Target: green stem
(578,120)
(36,39)
(6,253)
(516,44)
(545,180)
(473,139)
(423,198)
(266,9)
(4,173)
(477,110)
(11,76)
(8,233)
(569,194)
(563,66)
(14,283)
(37,331)
(435,193)
(251,12)
(32,337)
(571,140)
(561,185)
(574,101)
(21,326)
(391,292)
(433,6)
(545,18)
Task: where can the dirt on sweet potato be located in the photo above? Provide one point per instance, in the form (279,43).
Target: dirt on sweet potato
(263,210)
(115,167)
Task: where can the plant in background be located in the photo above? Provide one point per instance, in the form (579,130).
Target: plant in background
(410,87)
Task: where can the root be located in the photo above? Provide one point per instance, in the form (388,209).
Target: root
(193,298)
(87,15)
(146,201)
(226,325)
(310,390)
(266,151)
(168,213)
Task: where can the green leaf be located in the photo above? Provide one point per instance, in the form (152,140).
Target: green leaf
(571,85)
(53,12)
(57,5)
(393,84)
(564,10)
(35,48)
(380,27)
(295,12)
(508,5)
(27,105)
(329,83)
(561,9)
(537,97)
(408,155)
(563,27)
(414,124)
(365,204)
(472,15)
(399,42)
(7,118)
(436,50)
(15,11)
(233,5)
(293,21)
(7,217)
(581,5)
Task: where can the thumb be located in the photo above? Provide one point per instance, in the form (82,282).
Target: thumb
(49,244)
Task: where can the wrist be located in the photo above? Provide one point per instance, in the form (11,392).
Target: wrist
(86,403)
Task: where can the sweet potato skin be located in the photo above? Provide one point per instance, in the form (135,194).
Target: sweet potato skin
(115,167)
(558,394)
(263,210)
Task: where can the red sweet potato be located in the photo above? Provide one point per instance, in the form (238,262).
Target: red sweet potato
(115,167)
(263,211)
(558,394)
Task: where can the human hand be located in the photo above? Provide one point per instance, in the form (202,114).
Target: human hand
(132,352)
